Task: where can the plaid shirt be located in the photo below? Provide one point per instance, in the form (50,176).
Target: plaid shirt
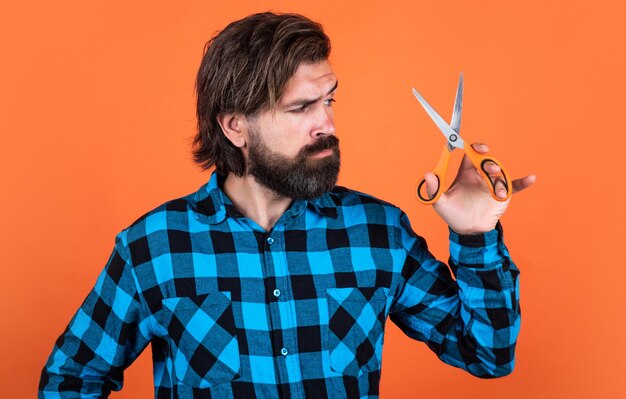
(232,310)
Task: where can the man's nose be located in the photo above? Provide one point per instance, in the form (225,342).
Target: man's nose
(325,122)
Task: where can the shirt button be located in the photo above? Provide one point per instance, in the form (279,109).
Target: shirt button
(276,292)
(270,240)
(284,352)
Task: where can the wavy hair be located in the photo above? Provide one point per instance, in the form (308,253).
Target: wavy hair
(244,69)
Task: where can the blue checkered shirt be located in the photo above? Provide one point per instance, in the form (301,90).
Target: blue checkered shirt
(234,311)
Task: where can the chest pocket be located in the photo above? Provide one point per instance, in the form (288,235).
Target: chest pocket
(203,339)
(355,328)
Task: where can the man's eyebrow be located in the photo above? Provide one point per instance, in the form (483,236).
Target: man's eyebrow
(307,101)
(333,88)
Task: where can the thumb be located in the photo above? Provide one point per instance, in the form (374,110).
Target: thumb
(432,184)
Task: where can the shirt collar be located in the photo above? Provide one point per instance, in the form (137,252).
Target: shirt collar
(213,206)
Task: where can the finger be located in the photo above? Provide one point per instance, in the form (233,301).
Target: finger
(480,147)
(432,184)
(492,168)
(500,188)
(498,180)
(523,183)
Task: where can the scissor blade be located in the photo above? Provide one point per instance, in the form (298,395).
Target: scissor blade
(453,137)
(458,106)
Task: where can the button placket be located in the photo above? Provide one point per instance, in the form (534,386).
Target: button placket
(283,311)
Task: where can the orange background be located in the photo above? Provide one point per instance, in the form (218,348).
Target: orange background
(97,114)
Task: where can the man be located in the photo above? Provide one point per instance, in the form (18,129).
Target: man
(269,281)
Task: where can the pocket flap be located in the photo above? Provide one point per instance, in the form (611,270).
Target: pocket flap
(197,301)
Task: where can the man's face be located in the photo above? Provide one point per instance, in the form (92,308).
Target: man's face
(293,150)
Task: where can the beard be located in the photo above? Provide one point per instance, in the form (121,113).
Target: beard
(301,178)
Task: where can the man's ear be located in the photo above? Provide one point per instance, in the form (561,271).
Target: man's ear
(234,128)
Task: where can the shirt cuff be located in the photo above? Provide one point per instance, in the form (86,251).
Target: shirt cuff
(476,250)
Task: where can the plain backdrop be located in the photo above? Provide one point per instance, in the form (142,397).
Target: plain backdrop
(97,117)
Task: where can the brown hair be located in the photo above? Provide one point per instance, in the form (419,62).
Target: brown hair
(244,70)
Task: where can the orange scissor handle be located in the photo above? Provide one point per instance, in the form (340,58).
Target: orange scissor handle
(479,161)
(440,173)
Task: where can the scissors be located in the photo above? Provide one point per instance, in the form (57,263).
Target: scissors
(453,141)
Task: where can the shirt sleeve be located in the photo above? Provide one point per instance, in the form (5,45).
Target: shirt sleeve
(107,333)
(470,321)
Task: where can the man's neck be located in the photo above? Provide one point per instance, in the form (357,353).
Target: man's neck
(254,201)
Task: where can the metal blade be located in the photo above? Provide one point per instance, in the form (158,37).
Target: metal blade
(458,106)
(452,136)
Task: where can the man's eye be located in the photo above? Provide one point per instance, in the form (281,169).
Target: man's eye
(300,109)
(330,102)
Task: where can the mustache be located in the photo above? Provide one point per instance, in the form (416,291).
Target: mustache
(322,144)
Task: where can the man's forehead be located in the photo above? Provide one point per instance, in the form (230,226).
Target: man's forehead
(310,79)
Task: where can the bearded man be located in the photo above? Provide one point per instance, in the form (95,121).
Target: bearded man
(272,282)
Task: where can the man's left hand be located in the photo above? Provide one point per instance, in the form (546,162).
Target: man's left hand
(467,206)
